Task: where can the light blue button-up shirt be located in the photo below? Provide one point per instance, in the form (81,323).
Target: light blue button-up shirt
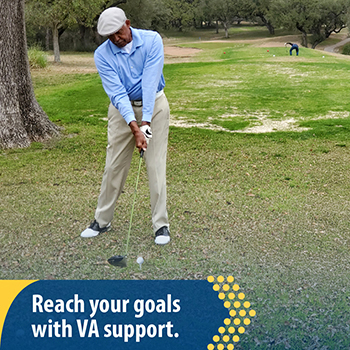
(137,75)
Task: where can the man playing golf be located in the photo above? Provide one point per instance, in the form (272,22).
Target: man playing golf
(293,47)
(130,64)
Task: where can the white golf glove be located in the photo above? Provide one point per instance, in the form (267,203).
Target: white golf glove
(147,132)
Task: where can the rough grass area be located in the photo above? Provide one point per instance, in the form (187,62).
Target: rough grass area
(271,209)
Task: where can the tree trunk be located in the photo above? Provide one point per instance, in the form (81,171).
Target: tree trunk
(22,120)
(267,23)
(304,41)
(270,28)
(83,41)
(47,39)
(180,24)
(317,38)
(226,29)
(56,45)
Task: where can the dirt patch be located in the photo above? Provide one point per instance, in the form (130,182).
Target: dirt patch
(262,125)
(180,51)
(70,64)
(84,64)
(265,125)
(73,64)
(176,54)
(263,42)
(268,125)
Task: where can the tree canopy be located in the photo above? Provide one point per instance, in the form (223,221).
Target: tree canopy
(316,20)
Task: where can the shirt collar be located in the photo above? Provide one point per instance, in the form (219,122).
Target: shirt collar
(136,39)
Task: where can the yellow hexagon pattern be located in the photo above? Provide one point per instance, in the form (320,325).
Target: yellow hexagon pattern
(239,310)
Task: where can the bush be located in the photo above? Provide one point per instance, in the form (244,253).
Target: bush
(346,49)
(37,57)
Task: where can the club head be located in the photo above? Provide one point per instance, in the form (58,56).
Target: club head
(118,260)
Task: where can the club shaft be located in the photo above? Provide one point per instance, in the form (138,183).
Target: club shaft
(133,204)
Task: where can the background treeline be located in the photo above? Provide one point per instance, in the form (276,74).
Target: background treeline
(71,24)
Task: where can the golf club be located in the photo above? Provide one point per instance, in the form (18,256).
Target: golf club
(121,260)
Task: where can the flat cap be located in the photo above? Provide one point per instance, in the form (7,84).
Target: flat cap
(110,21)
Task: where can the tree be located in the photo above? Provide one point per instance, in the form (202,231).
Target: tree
(53,14)
(261,9)
(21,118)
(181,13)
(206,11)
(320,18)
(149,14)
(59,15)
(332,19)
(160,15)
(228,11)
(297,14)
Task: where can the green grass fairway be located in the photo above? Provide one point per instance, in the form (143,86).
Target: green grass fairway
(271,209)
(235,81)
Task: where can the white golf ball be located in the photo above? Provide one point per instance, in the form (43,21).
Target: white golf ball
(273,55)
(140,260)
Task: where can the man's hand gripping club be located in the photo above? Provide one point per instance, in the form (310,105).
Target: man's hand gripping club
(142,134)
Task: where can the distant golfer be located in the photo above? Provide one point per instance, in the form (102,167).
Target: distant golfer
(293,47)
(130,64)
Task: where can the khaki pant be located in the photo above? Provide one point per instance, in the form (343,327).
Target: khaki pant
(121,144)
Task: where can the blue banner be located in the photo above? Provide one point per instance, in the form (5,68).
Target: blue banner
(123,315)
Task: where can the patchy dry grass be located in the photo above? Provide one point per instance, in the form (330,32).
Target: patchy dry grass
(271,209)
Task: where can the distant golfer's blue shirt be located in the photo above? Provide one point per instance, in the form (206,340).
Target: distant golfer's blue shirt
(137,75)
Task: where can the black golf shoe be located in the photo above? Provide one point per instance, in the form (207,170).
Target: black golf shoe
(162,236)
(94,230)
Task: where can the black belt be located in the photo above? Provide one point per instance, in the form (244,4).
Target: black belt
(137,103)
